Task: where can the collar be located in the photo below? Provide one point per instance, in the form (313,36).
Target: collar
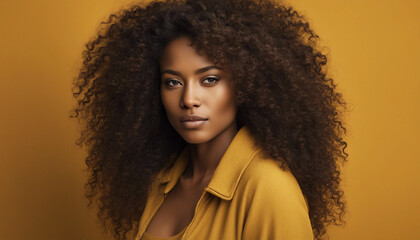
(226,177)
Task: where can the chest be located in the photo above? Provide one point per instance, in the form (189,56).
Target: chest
(176,212)
(203,215)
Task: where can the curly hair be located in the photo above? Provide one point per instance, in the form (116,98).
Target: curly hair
(283,92)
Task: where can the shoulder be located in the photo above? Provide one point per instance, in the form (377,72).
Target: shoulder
(264,181)
(273,203)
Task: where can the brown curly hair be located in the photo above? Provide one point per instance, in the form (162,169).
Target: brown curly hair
(283,92)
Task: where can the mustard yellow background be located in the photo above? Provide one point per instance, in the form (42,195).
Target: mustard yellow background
(374,57)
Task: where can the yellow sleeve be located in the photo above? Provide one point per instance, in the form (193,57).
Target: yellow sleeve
(277,209)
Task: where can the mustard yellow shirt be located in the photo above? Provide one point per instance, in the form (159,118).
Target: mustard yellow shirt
(249,197)
(148,236)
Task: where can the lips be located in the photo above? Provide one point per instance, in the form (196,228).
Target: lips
(192,118)
(193,121)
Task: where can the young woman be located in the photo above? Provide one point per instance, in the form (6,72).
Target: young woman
(211,119)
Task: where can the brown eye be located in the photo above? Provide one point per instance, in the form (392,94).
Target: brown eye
(211,80)
(171,81)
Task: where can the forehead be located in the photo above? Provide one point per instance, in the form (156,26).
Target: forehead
(179,54)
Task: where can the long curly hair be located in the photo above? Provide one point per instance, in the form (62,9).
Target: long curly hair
(283,91)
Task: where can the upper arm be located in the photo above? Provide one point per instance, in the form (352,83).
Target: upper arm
(277,208)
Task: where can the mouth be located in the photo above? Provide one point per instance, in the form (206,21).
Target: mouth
(192,118)
(191,122)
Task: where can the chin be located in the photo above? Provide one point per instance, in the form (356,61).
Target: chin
(194,141)
(195,136)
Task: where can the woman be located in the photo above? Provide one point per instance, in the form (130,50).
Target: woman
(211,119)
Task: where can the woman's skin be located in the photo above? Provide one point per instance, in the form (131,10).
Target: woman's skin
(209,94)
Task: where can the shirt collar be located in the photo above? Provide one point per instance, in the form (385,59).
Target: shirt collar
(226,177)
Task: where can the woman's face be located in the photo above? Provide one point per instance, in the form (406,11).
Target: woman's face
(192,86)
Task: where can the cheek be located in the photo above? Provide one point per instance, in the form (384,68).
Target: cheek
(225,104)
(169,103)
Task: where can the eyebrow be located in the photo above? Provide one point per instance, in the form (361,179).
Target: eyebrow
(201,70)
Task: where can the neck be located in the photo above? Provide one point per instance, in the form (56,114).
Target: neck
(205,157)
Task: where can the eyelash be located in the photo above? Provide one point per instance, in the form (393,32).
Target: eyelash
(215,80)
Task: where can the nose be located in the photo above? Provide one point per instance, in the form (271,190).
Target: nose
(190,97)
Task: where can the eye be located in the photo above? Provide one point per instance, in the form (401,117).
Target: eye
(173,81)
(211,80)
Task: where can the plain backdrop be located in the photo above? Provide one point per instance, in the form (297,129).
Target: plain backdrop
(373,49)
